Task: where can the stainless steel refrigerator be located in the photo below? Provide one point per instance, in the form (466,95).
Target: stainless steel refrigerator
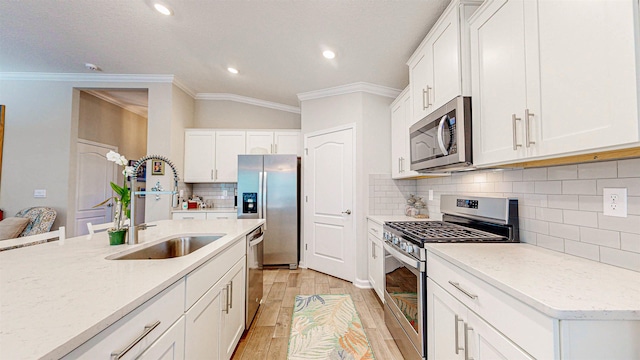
(268,188)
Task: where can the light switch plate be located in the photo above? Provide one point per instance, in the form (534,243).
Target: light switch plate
(614,201)
(430,194)
(40,193)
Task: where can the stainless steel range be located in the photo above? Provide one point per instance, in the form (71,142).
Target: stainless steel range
(465,219)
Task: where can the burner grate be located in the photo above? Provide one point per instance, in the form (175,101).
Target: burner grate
(441,231)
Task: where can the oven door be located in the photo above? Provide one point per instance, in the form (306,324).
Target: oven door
(405,286)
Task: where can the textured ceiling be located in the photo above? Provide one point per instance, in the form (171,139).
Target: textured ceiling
(276,45)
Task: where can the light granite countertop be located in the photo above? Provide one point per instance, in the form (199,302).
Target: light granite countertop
(56,296)
(559,285)
(381,219)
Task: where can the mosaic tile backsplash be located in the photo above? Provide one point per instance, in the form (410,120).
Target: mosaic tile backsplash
(215,194)
(560,207)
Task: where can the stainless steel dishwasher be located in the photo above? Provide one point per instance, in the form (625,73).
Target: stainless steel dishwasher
(255,253)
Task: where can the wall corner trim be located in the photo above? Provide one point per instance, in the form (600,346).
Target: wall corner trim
(350,88)
(247,100)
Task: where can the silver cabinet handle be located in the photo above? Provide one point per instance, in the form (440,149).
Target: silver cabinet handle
(457,286)
(348,212)
(467,328)
(216,177)
(399,165)
(188,218)
(275,147)
(373,250)
(424,97)
(212,175)
(272,148)
(374,230)
(147,330)
(226,298)
(429,88)
(230,292)
(527,117)
(458,348)
(515,132)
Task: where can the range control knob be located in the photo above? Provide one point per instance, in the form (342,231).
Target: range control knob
(396,241)
(409,249)
(403,246)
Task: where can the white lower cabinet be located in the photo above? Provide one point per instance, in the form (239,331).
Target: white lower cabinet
(375,258)
(215,323)
(170,346)
(189,216)
(221,215)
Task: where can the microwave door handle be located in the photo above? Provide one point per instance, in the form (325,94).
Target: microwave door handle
(440,136)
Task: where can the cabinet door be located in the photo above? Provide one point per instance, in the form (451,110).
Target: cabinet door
(398,128)
(170,346)
(287,142)
(229,144)
(420,83)
(232,325)
(444,47)
(588,71)
(202,333)
(371,262)
(259,142)
(498,81)
(486,343)
(199,155)
(445,324)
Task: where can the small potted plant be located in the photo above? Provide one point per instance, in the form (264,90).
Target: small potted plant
(121,210)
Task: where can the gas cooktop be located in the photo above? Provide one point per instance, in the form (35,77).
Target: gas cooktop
(439,231)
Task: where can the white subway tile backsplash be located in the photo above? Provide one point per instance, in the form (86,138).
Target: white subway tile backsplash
(621,258)
(629,168)
(563,172)
(581,218)
(579,187)
(630,242)
(569,202)
(567,218)
(600,237)
(548,187)
(599,170)
(581,249)
(535,174)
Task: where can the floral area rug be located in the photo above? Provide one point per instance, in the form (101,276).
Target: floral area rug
(327,327)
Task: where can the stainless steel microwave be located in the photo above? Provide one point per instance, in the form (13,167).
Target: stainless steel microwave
(442,140)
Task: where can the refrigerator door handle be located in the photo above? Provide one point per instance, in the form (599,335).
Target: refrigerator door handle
(264,200)
(260,195)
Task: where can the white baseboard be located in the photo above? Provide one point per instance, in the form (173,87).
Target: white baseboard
(362,284)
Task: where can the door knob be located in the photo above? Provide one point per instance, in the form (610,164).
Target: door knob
(348,212)
(109,205)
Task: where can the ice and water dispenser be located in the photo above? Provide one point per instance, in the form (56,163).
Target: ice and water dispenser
(249,203)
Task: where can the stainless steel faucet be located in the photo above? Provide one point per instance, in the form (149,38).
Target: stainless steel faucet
(133,228)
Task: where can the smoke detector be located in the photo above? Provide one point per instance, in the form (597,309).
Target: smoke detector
(92,67)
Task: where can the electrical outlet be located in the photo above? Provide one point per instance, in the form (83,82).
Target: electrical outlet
(430,194)
(225,193)
(614,201)
(40,193)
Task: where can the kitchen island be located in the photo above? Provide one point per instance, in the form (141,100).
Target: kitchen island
(56,296)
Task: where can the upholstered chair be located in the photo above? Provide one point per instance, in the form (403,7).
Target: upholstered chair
(41,220)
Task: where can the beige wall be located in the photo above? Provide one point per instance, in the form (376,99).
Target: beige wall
(372,118)
(41,130)
(224,114)
(106,123)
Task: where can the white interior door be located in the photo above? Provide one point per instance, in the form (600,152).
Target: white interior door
(94,174)
(329,220)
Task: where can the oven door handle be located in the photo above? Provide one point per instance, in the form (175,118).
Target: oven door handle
(408,260)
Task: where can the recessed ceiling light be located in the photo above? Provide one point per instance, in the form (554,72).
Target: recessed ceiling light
(162,9)
(328,54)
(232,70)
(92,67)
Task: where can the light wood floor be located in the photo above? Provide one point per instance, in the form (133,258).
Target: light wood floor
(268,336)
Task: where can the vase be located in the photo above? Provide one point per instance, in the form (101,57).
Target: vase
(116,237)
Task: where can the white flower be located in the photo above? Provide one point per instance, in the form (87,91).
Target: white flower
(128,171)
(116,158)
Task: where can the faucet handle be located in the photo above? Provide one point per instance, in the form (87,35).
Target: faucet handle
(144,226)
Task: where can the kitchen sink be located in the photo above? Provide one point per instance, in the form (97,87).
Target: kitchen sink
(175,247)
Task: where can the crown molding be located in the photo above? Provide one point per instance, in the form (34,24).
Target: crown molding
(248,100)
(349,89)
(134,109)
(180,85)
(35,76)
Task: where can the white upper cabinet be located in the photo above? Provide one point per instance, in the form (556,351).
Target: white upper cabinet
(273,142)
(439,68)
(400,156)
(229,144)
(199,155)
(553,78)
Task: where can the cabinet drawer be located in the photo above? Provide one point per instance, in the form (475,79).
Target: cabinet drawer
(374,228)
(190,216)
(202,278)
(530,329)
(221,215)
(164,308)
